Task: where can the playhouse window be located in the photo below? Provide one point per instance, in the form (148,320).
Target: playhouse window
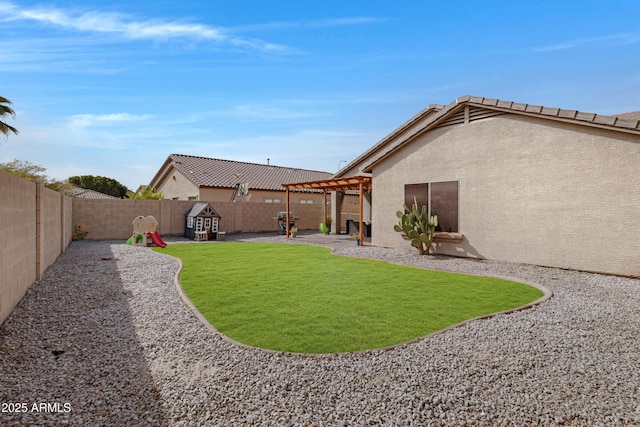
(441,198)
(190,222)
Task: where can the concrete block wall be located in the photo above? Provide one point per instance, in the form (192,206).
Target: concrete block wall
(255,217)
(17,240)
(111,219)
(67,221)
(33,224)
(50,227)
(173,216)
(259,217)
(310,215)
(107,219)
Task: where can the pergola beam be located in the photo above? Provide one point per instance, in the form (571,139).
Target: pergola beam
(334,184)
(359,183)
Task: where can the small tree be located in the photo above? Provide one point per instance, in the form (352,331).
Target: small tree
(145,193)
(25,169)
(101,184)
(418,226)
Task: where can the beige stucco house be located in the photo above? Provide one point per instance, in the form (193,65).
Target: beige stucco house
(513,182)
(184,177)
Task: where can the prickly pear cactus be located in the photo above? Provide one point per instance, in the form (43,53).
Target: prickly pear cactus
(417,226)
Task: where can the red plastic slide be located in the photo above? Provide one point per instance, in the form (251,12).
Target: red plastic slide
(156,239)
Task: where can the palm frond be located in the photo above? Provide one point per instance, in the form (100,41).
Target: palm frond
(5,110)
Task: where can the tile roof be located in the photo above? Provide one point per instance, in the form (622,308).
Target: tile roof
(83,193)
(209,172)
(614,122)
(436,115)
(632,115)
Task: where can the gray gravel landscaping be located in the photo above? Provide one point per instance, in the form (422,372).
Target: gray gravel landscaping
(104,339)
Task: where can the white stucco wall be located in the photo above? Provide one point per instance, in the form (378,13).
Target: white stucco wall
(530,190)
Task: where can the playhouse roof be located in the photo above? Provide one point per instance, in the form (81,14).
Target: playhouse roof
(202,208)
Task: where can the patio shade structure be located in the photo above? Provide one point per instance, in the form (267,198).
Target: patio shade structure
(360,183)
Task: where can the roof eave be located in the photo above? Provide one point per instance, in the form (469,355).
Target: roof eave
(434,122)
(162,173)
(426,112)
(165,170)
(599,121)
(575,117)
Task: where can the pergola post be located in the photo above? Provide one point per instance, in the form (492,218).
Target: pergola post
(324,206)
(360,202)
(287,206)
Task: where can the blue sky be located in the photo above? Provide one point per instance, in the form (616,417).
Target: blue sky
(112,88)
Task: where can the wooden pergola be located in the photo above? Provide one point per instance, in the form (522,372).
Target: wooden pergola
(360,183)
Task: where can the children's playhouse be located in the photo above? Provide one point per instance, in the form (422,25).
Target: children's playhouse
(203,223)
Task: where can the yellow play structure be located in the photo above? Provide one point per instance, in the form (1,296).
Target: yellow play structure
(143,227)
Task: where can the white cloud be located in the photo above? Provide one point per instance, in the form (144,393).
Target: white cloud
(318,23)
(126,27)
(87,120)
(610,40)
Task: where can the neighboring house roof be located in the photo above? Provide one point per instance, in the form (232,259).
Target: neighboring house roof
(456,112)
(83,193)
(219,173)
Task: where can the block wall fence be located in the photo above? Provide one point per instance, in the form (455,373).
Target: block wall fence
(111,219)
(36,225)
(35,228)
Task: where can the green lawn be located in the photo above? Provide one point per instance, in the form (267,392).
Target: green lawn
(301,298)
